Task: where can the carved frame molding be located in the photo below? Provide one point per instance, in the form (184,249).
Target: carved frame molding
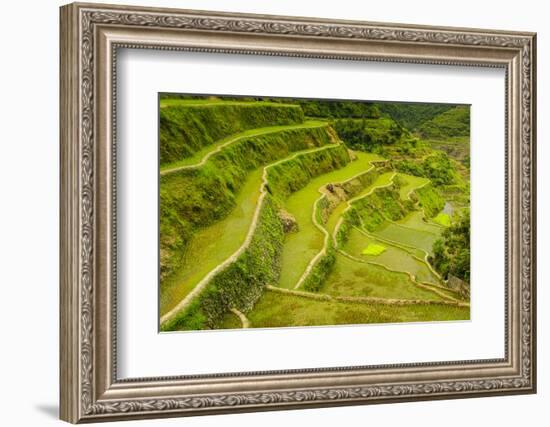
(90,37)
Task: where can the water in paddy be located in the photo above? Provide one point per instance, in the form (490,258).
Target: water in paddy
(407,236)
(395,258)
(415,219)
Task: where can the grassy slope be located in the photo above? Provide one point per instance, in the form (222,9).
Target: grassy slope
(277,310)
(353,278)
(186,128)
(349,277)
(302,246)
(195,198)
(380,181)
(212,245)
(411,183)
(457,147)
(222,143)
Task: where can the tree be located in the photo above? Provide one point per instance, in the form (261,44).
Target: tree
(452,252)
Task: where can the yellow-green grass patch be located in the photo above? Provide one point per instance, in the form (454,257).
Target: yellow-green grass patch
(335,215)
(212,245)
(373,249)
(443,219)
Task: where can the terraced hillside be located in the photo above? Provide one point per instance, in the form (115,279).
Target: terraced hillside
(268,217)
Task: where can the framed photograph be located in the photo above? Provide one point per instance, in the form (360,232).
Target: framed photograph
(266,212)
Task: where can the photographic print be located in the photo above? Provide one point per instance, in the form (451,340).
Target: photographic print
(279,212)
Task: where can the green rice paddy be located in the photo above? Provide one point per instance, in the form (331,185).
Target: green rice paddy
(301,247)
(278,310)
(391,256)
(390,262)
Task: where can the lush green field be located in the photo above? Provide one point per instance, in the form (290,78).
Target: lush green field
(203,153)
(277,310)
(255,195)
(353,278)
(381,180)
(394,257)
(407,236)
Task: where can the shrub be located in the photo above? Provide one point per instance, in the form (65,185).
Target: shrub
(452,252)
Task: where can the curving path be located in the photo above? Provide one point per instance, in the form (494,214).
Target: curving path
(405,192)
(227,245)
(303,246)
(325,229)
(202,156)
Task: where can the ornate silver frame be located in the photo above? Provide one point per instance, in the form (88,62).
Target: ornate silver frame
(90,36)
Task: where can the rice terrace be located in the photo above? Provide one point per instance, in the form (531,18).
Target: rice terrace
(278,212)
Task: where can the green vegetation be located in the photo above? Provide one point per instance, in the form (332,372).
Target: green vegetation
(350,277)
(350,216)
(393,256)
(338,109)
(242,283)
(368,134)
(451,254)
(204,153)
(456,147)
(406,236)
(302,246)
(430,200)
(436,166)
(417,220)
(451,123)
(187,128)
(191,199)
(276,310)
(216,243)
(373,249)
(412,115)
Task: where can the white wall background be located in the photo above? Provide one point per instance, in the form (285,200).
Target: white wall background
(29,170)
